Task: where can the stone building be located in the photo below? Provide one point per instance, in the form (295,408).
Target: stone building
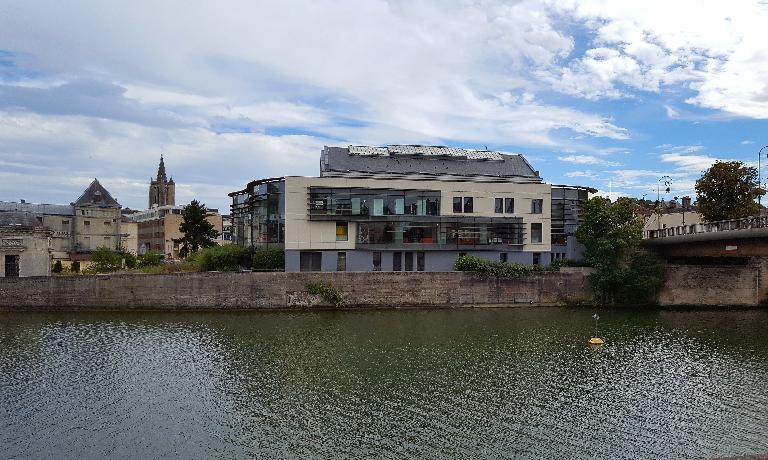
(158,228)
(162,191)
(25,246)
(75,230)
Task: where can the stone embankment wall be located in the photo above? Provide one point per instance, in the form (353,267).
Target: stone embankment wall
(716,286)
(189,291)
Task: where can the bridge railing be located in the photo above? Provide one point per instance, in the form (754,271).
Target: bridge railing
(744,223)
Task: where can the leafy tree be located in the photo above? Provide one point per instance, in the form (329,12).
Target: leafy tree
(198,232)
(149,259)
(106,260)
(728,190)
(611,234)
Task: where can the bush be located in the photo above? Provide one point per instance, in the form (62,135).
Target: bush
(225,258)
(149,259)
(57,268)
(633,284)
(75,267)
(106,260)
(557,263)
(493,268)
(268,259)
(327,291)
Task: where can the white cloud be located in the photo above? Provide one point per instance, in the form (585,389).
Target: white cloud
(587,160)
(746,142)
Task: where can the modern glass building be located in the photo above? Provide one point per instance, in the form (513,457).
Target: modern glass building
(400,208)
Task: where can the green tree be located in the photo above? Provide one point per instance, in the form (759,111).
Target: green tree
(728,190)
(198,232)
(611,234)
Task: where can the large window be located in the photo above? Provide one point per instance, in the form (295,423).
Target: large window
(377,261)
(498,205)
(400,234)
(420,256)
(342,231)
(509,205)
(373,202)
(409,261)
(310,261)
(468,204)
(537,206)
(341,262)
(397,261)
(536,233)
(457,204)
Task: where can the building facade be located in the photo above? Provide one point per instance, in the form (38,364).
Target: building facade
(25,246)
(75,230)
(158,229)
(405,208)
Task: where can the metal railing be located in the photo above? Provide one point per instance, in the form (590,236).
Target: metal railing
(745,223)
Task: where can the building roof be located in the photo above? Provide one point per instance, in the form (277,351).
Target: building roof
(47,209)
(20,219)
(96,195)
(426,161)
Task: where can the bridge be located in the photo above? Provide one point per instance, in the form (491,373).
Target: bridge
(736,238)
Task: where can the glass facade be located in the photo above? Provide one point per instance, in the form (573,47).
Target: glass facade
(566,211)
(367,202)
(258,214)
(440,234)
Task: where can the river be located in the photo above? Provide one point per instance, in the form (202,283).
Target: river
(490,383)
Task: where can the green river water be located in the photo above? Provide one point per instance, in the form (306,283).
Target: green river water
(491,383)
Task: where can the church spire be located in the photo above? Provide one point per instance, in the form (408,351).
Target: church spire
(161,171)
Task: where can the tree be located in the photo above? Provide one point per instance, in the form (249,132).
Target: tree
(728,190)
(198,232)
(611,234)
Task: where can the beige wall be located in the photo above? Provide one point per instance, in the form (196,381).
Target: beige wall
(61,234)
(160,232)
(301,233)
(670,220)
(129,236)
(97,227)
(32,247)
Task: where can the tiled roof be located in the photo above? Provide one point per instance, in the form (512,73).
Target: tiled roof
(48,209)
(20,218)
(97,195)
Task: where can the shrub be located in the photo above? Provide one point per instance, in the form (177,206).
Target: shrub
(557,263)
(106,260)
(149,259)
(493,268)
(75,267)
(57,268)
(327,291)
(225,258)
(268,259)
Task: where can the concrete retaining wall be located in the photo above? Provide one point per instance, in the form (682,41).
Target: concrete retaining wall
(288,290)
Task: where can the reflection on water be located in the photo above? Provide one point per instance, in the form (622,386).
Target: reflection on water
(385,384)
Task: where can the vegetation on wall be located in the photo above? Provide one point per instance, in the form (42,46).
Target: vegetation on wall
(198,232)
(494,268)
(611,234)
(728,190)
(57,267)
(327,291)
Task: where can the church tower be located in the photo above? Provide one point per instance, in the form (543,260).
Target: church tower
(162,192)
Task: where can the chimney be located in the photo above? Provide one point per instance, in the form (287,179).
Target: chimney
(23,201)
(686,202)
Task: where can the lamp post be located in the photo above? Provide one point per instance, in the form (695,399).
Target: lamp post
(759,181)
(667,183)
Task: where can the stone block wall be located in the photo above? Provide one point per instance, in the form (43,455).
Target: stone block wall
(708,285)
(189,291)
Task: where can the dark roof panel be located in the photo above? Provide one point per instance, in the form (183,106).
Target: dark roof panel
(97,195)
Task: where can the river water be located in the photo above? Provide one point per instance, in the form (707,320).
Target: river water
(514,383)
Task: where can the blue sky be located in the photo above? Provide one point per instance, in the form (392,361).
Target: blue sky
(593,92)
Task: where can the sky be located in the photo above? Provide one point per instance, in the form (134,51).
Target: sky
(603,93)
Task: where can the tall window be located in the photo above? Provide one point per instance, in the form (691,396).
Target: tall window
(409,261)
(341,262)
(342,231)
(468,204)
(509,205)
(420,256)
(503,257)
(536,206)
(457,204)
(498,205)
(397,261)
(11,266)
(310,261)
(536,233)
(536,258)
(377,261)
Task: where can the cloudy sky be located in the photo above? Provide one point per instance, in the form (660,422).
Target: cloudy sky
(600,93)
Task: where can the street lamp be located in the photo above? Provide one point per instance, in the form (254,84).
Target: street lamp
(667,184)
(759,182)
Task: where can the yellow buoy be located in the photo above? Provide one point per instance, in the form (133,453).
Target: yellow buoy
(595,341)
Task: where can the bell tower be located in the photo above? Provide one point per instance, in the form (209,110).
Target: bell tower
(162,191)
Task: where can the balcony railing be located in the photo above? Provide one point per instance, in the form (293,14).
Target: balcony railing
(746,223)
